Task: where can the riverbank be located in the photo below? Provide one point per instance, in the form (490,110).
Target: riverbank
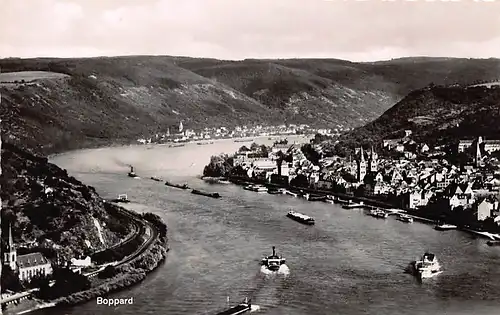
(415,214)
(127,275)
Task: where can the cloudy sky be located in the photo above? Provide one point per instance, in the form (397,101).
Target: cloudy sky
(238,29)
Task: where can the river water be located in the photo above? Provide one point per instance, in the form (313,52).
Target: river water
(348,263)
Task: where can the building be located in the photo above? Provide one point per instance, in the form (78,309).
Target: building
(25,266)
(361,170)
(464,145)
(373,162)
(489,145)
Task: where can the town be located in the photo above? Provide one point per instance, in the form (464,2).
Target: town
(461,187)
(182,134)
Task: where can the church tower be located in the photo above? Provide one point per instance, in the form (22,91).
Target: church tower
(373,161)
(478,152)
(10,255)
(361,166)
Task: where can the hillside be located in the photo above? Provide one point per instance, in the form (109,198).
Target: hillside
(436,115)
(51,211)
(60,104)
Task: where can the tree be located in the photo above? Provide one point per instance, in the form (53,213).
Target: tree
(300,181)
(9,280)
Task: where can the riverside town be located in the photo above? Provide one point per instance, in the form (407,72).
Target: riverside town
(458,185)
(249,157)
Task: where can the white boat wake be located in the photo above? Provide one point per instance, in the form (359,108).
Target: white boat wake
(284,270)
(254,308)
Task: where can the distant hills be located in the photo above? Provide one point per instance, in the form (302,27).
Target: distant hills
(436,115)
(60,104)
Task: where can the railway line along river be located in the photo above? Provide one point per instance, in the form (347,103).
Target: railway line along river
(348,263)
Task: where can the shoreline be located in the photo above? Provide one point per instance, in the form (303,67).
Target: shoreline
(130,274)
(367,201)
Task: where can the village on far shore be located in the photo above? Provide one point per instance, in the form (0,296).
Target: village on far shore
(409,175)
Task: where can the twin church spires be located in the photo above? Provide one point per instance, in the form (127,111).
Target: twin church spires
(363,167)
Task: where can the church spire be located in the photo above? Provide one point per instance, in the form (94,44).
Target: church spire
(11,240)
(362,155)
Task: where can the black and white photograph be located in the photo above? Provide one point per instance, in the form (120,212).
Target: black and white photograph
(226,157)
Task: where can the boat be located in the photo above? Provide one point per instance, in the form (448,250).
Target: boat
(183,186)
(274,191)
(311,197)
(156,179)
(256,188)
(241,308)
(243,140)
(353,205)
(288,192)
(132,173)
(176,145)
(377,213)
(427,267)
(341,201)
(405,218)
(273,262)
(121,198)
(493,243)
(445,227)
(299,217)
(201,193)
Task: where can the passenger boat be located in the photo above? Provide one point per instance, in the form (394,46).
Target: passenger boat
(299,217)
(201,193)
(445,227)
(183,186)
(132,173)
(405,218)
(273,262)
(241,308)
(427,267)
(121,198)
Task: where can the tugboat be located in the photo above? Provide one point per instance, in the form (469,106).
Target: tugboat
(299,217)
(132,173)
(427,267)
(273,262)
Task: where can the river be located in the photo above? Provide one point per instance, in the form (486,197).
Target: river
(348,263)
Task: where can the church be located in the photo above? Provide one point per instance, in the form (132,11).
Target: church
(25,266)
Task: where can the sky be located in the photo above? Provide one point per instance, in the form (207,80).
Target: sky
(238,29)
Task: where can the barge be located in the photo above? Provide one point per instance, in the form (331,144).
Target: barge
(302,218)
(183,186)
(206,194)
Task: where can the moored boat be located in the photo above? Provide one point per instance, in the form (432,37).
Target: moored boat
(273,262)
(201,193)
(377,213)
(312,197)
(353,205)
(274,191)
(445,227)
(405,218)
(256,188)
(123,198)
(302,218)
(493,243)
